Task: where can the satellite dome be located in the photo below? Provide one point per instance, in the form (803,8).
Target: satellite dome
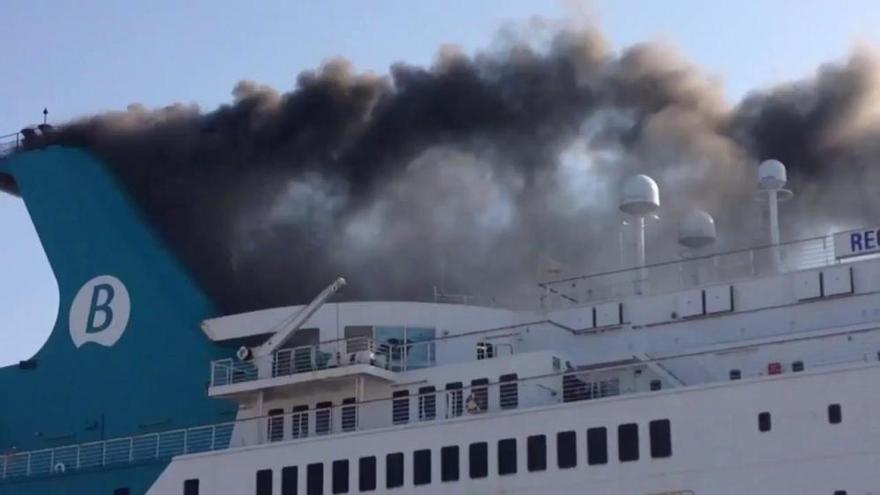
(771,175)
(697,230)
(640,195)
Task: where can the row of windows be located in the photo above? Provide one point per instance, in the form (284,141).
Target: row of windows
(835,416)
(507,452)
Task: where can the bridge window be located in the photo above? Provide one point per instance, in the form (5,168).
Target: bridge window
(367,474)
(289,480)
(394,470)
(400,407)
(449,463)
(315,479)
(340,476)
(764,423)
(299,421)
(507,456)
(536,452)
(427,403)
(422,467)
(419,347)
(275,425)
(264,482)
(478,460)
(566,449)
(508,390)
(349,414)
(323,418)
(835,415)
(597,446)
(628,442)
(191,487)
(661,438)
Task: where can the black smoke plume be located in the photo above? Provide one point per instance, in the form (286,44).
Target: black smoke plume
(472,174)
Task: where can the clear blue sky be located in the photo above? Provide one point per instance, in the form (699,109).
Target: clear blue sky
(83,56)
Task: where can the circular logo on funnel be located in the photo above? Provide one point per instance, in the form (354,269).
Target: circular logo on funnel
(99,312)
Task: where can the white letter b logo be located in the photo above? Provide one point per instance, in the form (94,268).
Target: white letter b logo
(99,312)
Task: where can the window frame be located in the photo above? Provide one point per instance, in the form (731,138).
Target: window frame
(507,456)
(395,468)
(597,446)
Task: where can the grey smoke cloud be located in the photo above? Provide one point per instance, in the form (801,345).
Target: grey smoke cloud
(466,173)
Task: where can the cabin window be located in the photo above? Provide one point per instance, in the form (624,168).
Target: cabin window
(427,403)
(507,456)
(628,442)
(264,482)
(566,449)
(299,421)
(422,467)
(480,394)
(835,415)
(797,366)
(340,476)
(191,487)
(485,350)
(367,474)
(400,407)
(323,418)
(508,391)
(122,491)
(661,438)
(394,470)
(315,479)
(454,399)
(536,452)
(478,460)
(275,425)
(840,492)
(597,446)
(656,385)
(349,414)
(449,463)
(735,374)
(289,480)
(764,423)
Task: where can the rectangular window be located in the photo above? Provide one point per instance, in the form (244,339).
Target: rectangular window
(628,442)
(478,460)
(661,438)
(349,414)
(340,476)
(449,463)
(323,418)
(835,415)
(480,392)
(454,400)
(367,474)
(419,348)
(536,452)
(508,391)
(275,425)
(427,403)
(191,487)
(289,480)
(299,421)
(597,446)
(422,467)
(764,422)
(394,470)
(315,479)
(400,407)
(566,449)
(507,456)
(264,482)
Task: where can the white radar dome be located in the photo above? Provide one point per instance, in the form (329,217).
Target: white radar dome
(641,196)
(771,175)
(697,230)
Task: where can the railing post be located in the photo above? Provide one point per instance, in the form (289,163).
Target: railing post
(185,441)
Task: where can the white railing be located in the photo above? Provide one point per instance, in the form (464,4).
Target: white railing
(114,452)
(693,272)
(331,354)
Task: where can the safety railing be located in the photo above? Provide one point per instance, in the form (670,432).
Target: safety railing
(9,143)
(693,272)
(331,354)
(114,452)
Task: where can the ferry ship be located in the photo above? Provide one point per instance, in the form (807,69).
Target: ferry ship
(742,372)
